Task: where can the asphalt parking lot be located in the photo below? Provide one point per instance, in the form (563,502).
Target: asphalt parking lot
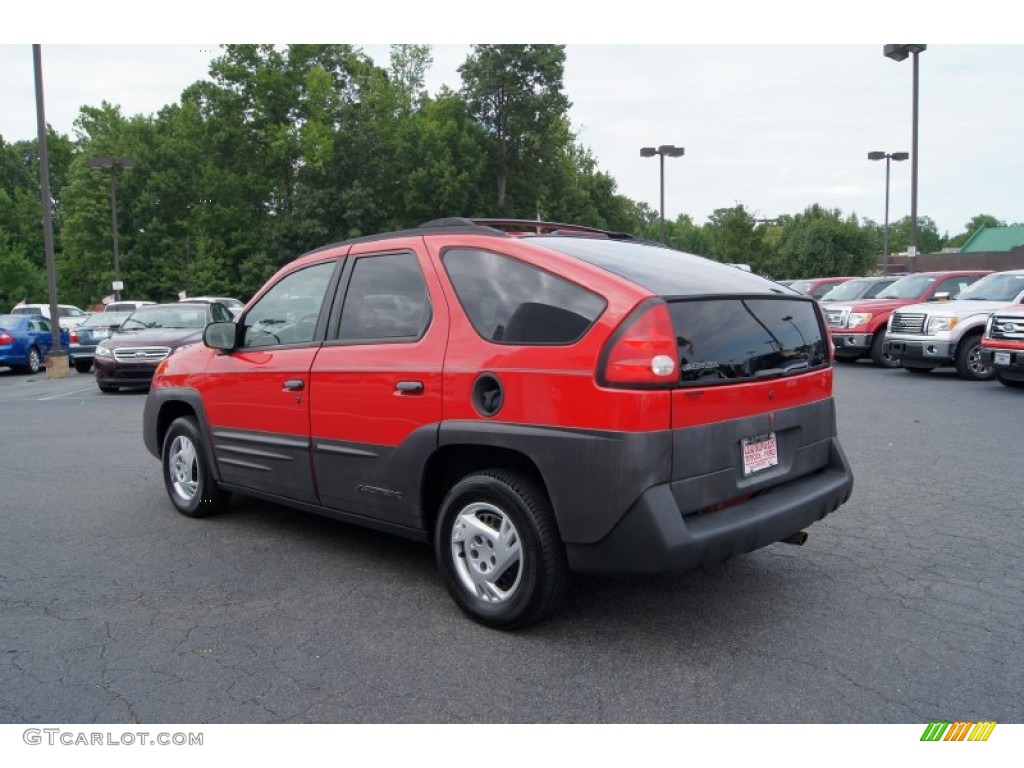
(904,606)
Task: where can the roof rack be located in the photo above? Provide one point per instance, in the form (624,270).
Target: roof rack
(495,227)
(529,226)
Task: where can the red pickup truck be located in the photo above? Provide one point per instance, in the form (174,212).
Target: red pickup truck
(858,327)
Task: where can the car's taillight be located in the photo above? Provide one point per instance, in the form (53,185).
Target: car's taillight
(642,351)
(6,338)
(74,336)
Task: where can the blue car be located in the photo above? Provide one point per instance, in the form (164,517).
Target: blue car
(25,340)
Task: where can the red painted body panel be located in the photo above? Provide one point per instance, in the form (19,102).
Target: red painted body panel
(353,393)
(245,390)
(548,385)
(1002,344)
(710,405)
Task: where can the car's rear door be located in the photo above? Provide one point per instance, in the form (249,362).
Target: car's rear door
(375,400)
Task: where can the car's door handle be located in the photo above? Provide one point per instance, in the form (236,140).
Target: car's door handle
(294,385)
(409,387)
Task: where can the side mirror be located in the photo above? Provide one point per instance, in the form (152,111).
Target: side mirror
(941,297)
(222,335)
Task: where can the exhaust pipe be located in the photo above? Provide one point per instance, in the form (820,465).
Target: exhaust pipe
(797,539)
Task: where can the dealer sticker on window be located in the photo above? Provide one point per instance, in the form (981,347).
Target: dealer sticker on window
(760,452)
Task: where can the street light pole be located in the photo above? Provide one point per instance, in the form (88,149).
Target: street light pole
(665,149)
(899,52)
(57,359)
(113,163)
(897,156)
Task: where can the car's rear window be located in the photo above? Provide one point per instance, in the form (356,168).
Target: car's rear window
(662,271)
(730,339)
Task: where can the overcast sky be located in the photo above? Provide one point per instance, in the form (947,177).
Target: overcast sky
(775,127)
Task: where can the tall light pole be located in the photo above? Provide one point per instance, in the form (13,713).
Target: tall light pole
(57,362)
(113,163)
(665,149)
(898,52)
(897,156)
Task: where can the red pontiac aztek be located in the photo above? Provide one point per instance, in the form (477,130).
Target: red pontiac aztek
(533,399)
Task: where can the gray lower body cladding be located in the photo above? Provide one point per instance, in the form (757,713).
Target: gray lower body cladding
(654,537)
(710,510)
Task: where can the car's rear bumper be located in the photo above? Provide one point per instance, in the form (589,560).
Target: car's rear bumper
(12,360)
(653,536)
(82,352)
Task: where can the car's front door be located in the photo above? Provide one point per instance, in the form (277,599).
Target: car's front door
(257,396)
(375,403)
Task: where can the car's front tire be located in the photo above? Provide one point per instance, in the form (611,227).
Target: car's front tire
(498,549)
(969,363)
(186,470)
(878,354)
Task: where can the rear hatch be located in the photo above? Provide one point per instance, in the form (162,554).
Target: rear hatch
(752,396)
(753,407)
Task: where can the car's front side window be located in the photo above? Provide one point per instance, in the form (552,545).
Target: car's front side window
(287,313)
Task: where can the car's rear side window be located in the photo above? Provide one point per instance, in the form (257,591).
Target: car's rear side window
(726,339)
(386,299)
(511,302)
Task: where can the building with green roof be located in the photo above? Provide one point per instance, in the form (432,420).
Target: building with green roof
(994,240)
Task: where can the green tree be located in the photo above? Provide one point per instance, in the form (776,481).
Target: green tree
(409,65)
(735,237)
(823,243)
(22,255)
(515,92)
(928,238)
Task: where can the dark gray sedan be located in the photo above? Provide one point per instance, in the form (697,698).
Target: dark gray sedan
(89,333)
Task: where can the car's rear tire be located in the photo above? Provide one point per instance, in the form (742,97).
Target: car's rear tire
(83,366)
(186,470)
(878,354)
(35,361)
(969,363)
(498,549)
